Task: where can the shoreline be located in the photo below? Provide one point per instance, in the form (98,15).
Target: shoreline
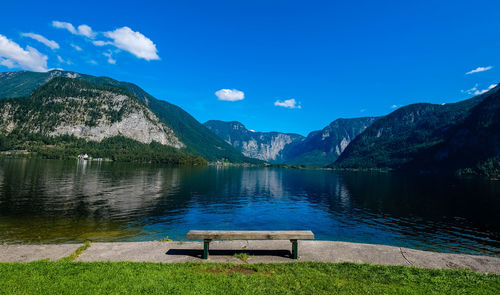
(257,251)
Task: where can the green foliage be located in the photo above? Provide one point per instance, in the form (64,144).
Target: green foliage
(314,158)
(21,83)
(242,256)
(393,140)
(217,278)
(117,148)
(61,87)
(73,256)
(489,168)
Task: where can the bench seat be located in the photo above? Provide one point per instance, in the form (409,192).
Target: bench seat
(208,235)
(250,235)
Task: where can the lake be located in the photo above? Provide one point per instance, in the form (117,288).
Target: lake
(50,201)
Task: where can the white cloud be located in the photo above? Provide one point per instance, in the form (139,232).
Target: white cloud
(289,103)
(83,30)
(123,38)
(102,43)
(12,55)
(133,42)
(479,69)
(76,47)
(66,26)
(394,106)
(477,92)
(470,91)
(109,55)
(86,31)
(61,60)
(230,94)
(51,44)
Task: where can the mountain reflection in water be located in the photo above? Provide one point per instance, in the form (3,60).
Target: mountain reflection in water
(48,201)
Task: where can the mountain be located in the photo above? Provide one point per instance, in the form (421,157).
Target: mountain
(322,147)
(470,147)
(195,137)
(319,148)
(266,146)
(65,106)
(66,117)
(426,136)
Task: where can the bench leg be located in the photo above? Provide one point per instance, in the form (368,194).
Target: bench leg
(206,244)
(295,249)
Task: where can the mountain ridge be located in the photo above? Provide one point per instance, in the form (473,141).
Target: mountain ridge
(319,148)
(422,137)
(322,147)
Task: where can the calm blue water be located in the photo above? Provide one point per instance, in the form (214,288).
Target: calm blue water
(63,201)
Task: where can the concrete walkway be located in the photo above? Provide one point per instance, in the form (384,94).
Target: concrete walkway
(259,251)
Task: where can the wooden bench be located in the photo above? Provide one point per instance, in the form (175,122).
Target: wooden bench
(208,235)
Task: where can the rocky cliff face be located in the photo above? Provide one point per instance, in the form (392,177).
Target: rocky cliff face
(322,147)
(267,146)
(319,148)
(66,106)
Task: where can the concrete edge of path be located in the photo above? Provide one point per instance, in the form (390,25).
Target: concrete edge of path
(258,251)
(28,253)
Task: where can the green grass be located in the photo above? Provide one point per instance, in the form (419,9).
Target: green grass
(210,278)
(242,256)
(77,252)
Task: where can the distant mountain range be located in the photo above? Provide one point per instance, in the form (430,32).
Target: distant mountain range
(323,147)
(461,137)
(59,114)
(266,146)
(319,148)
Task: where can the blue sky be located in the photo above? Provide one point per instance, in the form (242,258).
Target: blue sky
(280,65)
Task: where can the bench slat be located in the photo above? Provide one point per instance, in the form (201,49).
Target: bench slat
(250,235)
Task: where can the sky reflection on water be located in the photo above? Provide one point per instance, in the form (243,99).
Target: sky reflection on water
(44,201)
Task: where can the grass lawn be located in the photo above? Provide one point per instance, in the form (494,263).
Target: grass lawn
(66,277)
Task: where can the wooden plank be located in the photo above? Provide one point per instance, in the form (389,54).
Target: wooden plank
(250,235)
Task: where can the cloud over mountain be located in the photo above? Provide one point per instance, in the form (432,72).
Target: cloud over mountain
(123,38)
(134,42)
(49,43)
(12,55)
(479,69)
(82,30)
